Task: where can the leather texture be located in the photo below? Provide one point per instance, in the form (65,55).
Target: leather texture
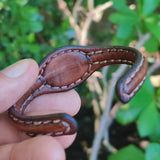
(66,68)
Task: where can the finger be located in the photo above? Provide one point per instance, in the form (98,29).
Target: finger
(66,141)
(9,133)
(66,102)
(14,81)
(42,147)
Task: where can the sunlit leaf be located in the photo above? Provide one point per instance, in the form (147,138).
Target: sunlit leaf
(122,18)
(153,152)
(149,6)
(128,153)
(129,112)
(148,120)
(153,24)
(121,6)
(152,45)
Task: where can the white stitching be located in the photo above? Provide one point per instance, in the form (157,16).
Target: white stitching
(47,121)
(136,71)
(86,73)
(90,65)
(56,121)
(109,50)
(68,128)
(128,80)
(49,134)
(27,100)
(112,61)
(135,90)
(31,134)
(36,123)
(28,122)
(47,62)
(20,121)
(58,133)
(66,125)
(54,56)
(15,119)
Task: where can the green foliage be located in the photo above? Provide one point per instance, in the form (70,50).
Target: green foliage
(148,122)
(143,109)
(130,152)
(31,29)
(129,113)
(141,18)
(153,152)
(148,6)
(18,24)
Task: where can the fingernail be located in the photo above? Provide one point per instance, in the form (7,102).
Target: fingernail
(17,69)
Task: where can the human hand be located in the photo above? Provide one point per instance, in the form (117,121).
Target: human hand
(15,80)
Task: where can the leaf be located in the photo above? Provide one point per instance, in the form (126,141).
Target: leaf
(33,48)
(31,37)
(120,41)
(128,153)
(122,18)
(124,31)
(118,5)
(126,23)
(129,113)
(147,90)
(155,135)
(21,2)
(153,25)
(152,45)
(153,152)
(148,120)
(36,26)
(149,6)
(1,5)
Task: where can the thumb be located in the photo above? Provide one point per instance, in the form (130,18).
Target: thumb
(15,80)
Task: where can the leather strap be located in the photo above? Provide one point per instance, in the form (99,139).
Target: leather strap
(66,68)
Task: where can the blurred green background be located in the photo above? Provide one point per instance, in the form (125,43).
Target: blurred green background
(32,29)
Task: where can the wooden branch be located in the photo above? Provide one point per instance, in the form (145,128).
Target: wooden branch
(76,10)
(90,5)
(106,118)
(89,19)
(102,7)
(63,7)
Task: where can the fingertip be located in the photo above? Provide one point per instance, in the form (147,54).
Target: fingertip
(66,102)
(33,65)
(15,80)
(77,101)
(41,147)
(19,68)
(67,140)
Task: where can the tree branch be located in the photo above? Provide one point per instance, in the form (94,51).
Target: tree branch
(106,118)
(63,7)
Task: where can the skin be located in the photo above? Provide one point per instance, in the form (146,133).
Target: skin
(14,144)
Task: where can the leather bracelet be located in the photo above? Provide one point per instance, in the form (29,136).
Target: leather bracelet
(66,68)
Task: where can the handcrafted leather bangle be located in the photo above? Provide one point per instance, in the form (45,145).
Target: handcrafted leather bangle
(66,68)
